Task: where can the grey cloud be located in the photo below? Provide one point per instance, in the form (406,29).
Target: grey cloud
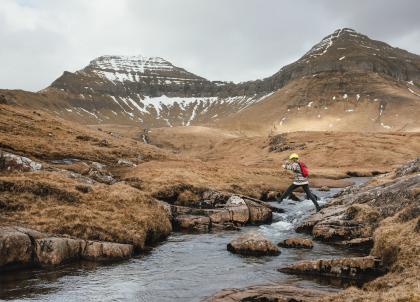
(221,40)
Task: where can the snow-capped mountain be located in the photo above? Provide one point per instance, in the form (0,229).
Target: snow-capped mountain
(147,91)
(347,81)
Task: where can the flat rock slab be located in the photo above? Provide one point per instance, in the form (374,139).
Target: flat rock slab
(355,267)
(267,293)
(192,223)
(334,229)
(296,243)
(106,251)
(253,244)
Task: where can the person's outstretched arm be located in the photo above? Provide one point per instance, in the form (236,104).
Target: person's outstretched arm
(289,166)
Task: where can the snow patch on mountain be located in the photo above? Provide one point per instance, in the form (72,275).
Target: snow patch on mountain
(128,64)
(133,68)
(322,47)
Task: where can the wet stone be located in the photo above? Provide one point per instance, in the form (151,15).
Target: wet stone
(296,243)
(253,244)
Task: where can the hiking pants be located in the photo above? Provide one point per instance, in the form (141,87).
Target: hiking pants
(305,188)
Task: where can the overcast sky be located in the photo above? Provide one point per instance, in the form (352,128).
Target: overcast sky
(232,40)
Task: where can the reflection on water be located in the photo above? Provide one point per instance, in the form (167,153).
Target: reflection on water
(184,268)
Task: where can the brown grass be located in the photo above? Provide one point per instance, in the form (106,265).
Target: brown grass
(41,135)
(246,165)
(127,211)
(116,213)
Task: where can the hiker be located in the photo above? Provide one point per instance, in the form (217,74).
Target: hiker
(300,179)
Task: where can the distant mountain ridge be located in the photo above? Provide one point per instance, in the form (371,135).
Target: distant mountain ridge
(152,92)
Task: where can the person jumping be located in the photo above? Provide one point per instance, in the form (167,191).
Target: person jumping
(300,179)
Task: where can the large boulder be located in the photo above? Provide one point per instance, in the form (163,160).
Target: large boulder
(106,251)
(258,214)
(253,244)
(15,247)
(238,209)
(57,250)
(192,223)
(296,243)
(356,267)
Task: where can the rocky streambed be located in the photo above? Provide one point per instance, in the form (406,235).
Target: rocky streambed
(186,267)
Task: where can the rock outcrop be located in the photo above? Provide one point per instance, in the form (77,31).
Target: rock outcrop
(296,243)
(354,214)
(99,173)
(253,244)
(21,247)
(214,210)
(357,267)
(267,293)
(15,248)
(12,162)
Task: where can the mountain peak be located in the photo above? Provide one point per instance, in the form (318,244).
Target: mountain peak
(122,68)
(322,47)
(137,63)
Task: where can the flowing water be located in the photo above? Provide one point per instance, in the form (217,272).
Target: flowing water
(183,268)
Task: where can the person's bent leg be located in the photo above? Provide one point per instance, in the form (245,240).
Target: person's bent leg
(311,197)
(286,194)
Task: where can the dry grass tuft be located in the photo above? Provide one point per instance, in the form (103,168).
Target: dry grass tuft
(117,213)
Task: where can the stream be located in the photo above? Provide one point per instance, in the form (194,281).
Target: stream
(183,268)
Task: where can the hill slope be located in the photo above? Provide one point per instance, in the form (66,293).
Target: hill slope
(346,82)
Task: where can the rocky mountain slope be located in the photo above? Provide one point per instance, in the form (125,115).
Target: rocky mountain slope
(144,90)
(346,82)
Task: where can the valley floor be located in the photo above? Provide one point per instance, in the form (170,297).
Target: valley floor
(105,184)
